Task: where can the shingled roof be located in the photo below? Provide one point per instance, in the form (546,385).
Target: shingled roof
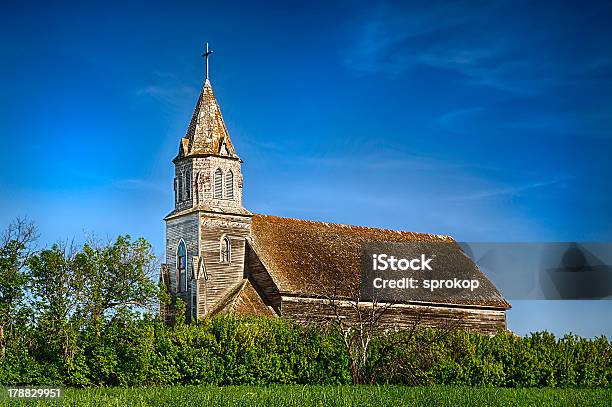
(207,133)
(311,258)
(249,302)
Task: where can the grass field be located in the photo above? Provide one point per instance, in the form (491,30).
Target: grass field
(303,396)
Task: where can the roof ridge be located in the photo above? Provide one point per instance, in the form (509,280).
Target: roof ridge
(347,226)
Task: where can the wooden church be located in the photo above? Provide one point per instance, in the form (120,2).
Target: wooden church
(220,257)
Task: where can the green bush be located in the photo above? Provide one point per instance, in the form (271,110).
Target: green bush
(133,350)
(504,360)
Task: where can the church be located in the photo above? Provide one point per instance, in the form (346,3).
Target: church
(221,258)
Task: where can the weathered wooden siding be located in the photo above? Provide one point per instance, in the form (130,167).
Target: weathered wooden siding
(483,320)
(186,228)
(221,276)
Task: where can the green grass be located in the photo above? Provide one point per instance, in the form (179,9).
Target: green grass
(303,396)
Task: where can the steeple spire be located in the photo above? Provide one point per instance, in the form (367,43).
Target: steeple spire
(207,134)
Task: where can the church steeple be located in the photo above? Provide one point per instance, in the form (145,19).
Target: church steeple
(207,169)
(207,134)
(207,230)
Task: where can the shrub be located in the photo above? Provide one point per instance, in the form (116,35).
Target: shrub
(132,350)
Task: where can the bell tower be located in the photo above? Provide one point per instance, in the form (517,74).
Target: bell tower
(207,168)
(206,231)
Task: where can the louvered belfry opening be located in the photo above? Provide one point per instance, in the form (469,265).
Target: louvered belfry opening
(180,187)
(229,185)
(187,185)
(218,183)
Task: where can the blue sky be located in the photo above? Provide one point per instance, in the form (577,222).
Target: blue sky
(490,121)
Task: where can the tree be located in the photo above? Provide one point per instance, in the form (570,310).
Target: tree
(55,288)
(360,322)
(16,246)
(116,277)
(357,322)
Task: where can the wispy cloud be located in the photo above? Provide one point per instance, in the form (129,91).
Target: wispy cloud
(477,42)
(506,191)
(450,119)
(168,89)
(393,41)
(480,118)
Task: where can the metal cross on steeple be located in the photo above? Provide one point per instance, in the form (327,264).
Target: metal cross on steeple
(205,55)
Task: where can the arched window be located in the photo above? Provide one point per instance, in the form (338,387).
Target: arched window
(176,190)
(181,267)
(196,191)
(187,185)
(218,184)
(229,185)
(180,187)
(226,251)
